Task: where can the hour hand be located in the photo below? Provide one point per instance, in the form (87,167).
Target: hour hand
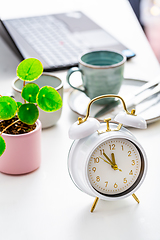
(113,158)
(115,167)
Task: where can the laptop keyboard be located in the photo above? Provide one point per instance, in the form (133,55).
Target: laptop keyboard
(51,39)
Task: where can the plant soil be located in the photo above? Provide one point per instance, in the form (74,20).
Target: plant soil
(17,128)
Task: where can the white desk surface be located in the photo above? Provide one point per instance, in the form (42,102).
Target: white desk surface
(45,204)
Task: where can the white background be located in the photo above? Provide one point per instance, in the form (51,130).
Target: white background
(45,204)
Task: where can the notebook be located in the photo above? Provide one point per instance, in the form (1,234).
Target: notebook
(58,40)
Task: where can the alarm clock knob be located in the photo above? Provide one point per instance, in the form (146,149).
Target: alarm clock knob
(82,129)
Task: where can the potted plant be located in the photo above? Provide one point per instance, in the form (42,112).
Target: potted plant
(20,129)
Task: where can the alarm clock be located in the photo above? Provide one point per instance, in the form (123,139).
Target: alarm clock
(105,160)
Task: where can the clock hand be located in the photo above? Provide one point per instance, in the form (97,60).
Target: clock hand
(106,161)
(115,167)
(113,158)
(108,158)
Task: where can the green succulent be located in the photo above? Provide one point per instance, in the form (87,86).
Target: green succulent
(46,98)
(29,69)
(8,108)
(2,145)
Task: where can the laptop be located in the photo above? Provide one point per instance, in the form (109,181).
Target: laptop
(58,40)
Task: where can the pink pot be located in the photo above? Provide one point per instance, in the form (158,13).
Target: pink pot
(23,152)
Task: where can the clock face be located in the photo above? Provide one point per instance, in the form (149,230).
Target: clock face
(115,167)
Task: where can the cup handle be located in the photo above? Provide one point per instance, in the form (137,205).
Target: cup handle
(69,73)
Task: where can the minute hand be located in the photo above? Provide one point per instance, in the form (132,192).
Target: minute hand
(108,158)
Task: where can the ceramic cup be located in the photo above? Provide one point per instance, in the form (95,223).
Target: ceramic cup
(102,73)
(47,119)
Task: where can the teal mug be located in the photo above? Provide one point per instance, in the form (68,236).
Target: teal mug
(102,73)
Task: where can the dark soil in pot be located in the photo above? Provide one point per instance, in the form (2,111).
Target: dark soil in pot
(17,128)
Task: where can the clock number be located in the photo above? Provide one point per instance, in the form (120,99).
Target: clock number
(122,147)
(96,160)
(93,169)
(115,185)
(129,153)
(133,162)
(97,178)
(106,184)
(112,147)
(125,180)
(131,172)
(101,151)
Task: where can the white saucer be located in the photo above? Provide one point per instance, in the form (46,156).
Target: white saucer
(149,109)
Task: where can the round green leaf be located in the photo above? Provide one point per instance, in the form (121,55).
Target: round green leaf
(29,92)
(48,99)
(8,108)
(29,69)
(2,146)
(19,104)
(28,113)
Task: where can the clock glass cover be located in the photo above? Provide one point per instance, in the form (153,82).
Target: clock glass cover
(115,167)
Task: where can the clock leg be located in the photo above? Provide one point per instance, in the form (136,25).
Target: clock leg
(135,197)
(94,204)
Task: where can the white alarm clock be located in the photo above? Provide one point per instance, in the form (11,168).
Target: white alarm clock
(105,160)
